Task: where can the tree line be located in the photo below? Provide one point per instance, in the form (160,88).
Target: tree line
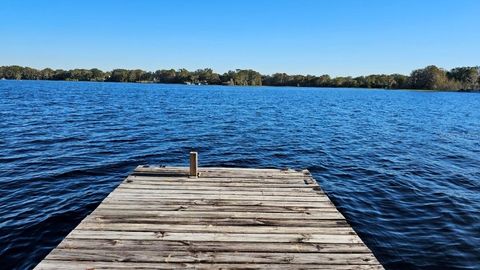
(430,77)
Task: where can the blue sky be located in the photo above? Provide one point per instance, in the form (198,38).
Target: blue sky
(297,36)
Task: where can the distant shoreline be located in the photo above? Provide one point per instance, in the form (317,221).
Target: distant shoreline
(241,86)
(465,79)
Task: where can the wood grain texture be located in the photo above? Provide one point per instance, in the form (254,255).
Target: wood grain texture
(227,218)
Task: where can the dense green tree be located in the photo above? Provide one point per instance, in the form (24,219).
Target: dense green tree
(165,76)
(135,75)
(183,76)
(244,77)
(468,77)
(431,77)
(13,72)
(79,75)
(30,74)
(401,81)
(97,75)
(47,74)
(119,75)
(60,74)
(207,76)
(323,81)
(277,79)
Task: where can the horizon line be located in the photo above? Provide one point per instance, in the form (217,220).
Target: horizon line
(235,69)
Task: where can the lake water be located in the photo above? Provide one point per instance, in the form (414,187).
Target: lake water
(402,166)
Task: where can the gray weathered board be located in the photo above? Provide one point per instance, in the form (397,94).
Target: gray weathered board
(227,218)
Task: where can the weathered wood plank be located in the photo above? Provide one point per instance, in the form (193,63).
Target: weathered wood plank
(143,227)
(215,202)
(164,179)
(159,218)
(221,175)
(215,176)
(227,176)
(218,214)
(304,189)
(225,221)
(203,169)
(253,185)
(153,195)
(199,246)
(212,257)
(261,192)
(216,237)
(230,172)
(127,189)
(217,208)
(98,265)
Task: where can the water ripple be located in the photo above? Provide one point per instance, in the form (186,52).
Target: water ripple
(402,166)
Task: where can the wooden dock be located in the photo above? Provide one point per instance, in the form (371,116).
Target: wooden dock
(160,218)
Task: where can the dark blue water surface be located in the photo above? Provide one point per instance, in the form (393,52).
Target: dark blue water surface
(402,166)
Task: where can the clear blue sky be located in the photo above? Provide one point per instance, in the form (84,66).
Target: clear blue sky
(299,37)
